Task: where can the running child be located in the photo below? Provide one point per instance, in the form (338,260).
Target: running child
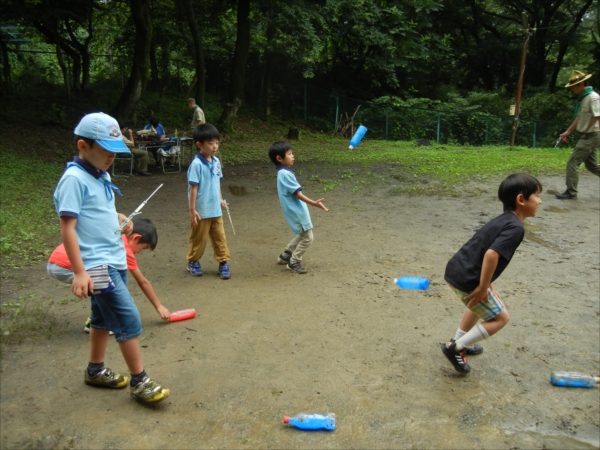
(481,260)
(205,202)
(293,203)
(85,202)
(144,236)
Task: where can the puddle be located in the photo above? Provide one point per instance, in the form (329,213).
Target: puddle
(533,237)
(555,209)
(238,190)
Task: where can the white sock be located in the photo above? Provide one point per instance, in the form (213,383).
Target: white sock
(474,335)
(459,333)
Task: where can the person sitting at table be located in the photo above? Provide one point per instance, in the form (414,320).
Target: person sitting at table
(140,157)
(160,134)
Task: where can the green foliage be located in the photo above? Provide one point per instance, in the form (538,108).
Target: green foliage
(27,216)
(25,319)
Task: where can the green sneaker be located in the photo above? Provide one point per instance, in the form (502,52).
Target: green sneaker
(106,378)
(149,391)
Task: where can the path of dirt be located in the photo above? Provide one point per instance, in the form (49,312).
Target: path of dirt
(340,339)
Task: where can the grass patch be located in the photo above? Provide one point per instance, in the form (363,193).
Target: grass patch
(27,215)
(26,319)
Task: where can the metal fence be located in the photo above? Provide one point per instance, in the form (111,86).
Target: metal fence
(323,110)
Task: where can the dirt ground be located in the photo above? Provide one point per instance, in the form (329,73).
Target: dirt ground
(342,338)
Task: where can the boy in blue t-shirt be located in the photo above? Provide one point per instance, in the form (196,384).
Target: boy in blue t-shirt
(205,202)
(89,227)
(471,271)
(293,203)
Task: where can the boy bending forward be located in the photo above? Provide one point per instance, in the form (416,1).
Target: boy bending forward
(480,261)
(143,236)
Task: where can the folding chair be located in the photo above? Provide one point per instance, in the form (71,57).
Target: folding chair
(123,157)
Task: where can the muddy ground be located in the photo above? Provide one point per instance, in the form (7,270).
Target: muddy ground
(342,338)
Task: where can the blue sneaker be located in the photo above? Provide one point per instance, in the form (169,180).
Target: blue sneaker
(194,268)
(224,271)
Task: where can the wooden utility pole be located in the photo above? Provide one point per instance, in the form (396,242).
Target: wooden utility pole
(521,75)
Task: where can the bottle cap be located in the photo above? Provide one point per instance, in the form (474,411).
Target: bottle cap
(286,419)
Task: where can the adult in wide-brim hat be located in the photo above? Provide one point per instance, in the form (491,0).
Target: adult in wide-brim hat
(577,77)
(587,122)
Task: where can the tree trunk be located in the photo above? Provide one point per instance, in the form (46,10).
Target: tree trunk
(125,108)
(63,68)
(242,47)
(237,76)
(226,120)
(154,78)
(198,51)
(268,61)
(6,68)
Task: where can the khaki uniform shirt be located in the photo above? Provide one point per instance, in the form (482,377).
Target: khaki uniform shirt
(590,108)
(199,116)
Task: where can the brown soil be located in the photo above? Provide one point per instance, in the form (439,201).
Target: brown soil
(342,338)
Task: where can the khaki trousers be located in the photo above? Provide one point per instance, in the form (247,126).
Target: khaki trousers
(140,159)
(298,246)
(584,152)
(199,235)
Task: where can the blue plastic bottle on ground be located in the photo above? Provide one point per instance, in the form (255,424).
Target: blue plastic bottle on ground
(311,421)
(360,132)
(573,379)
(412,283)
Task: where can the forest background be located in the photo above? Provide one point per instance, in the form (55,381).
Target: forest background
(441,71)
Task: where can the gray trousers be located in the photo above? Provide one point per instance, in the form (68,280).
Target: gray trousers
(298,246)
(584,152)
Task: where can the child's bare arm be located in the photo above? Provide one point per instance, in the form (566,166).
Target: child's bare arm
(318,203)
(82,283)
(490,262)
(194,216)
(148,291)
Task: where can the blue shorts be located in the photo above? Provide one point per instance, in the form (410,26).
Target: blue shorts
(486,309)
(116,311)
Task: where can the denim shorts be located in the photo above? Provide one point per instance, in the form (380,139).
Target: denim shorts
(486,309)
(116,311)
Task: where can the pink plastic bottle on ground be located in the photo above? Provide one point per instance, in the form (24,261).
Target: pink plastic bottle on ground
(182,315)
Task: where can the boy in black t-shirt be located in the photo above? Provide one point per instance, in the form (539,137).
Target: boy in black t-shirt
(481,260)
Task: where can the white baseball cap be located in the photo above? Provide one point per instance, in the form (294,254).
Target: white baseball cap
(104,130)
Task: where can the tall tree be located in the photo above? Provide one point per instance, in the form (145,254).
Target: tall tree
(237,75)
(198,51)
(125,107)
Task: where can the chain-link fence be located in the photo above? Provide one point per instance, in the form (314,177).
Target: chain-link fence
(322,109)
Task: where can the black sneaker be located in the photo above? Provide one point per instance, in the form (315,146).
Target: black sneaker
(284,258)
(296,268)
(457,358)
(472,350)
(566,196)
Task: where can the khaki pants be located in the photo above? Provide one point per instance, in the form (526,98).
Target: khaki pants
(584,152)
(199,235)
(298,246)
(140,159)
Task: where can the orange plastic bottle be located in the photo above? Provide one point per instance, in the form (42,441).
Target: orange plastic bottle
(182,315)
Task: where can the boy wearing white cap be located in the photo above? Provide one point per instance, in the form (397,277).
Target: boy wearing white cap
(85,202)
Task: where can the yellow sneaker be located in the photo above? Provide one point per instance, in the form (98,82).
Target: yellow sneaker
(106,378)
(149,391)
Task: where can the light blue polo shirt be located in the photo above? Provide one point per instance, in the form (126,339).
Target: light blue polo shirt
(207,176)
(87,195)
(294,210)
